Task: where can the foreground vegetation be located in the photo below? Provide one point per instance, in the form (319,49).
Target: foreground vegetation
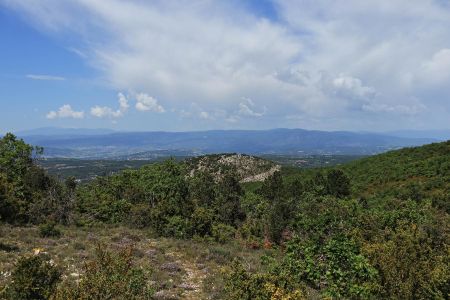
(373,228)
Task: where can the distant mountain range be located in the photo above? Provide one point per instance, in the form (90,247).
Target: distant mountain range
(84,143)
(63,131)
(442,135)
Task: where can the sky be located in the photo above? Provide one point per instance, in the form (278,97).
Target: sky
(373,65)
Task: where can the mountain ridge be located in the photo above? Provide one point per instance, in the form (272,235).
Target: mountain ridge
(273,141)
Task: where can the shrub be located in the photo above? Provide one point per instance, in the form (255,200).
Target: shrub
(10,206)
(33,277)
(140,216)
(338,184)
(251,229)
(201,220)
(49,229)
(178,227)
(223,233)
(337,268)
(109,276)
(113,211)
(241,284)
(409,266)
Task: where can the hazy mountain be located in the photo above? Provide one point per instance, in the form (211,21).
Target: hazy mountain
(275,141)
(434,134)
(50,131)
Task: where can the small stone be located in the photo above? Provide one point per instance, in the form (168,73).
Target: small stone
(151,253)
(171,267)
(165,295)
(187,286)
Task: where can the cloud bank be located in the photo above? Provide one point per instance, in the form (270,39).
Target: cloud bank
(332,64)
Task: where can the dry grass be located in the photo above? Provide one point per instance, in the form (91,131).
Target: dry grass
(180,269)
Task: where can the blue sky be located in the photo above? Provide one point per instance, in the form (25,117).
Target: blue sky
(194,65)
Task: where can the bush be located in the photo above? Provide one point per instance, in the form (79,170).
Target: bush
(113,211)
(223,233)
(49,229)
(140,216)
(409,266)
(33,277)
(202,219)
(10,206)
(178,227)
(241,284)
(109,276)
(338,184)
(336,268)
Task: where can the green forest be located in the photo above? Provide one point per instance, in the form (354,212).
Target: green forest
(373,228)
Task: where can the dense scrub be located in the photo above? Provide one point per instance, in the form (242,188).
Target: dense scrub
(411,173)
(374,228)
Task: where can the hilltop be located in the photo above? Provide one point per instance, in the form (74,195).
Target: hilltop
(247,168)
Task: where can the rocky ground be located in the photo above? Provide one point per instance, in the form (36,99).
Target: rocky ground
(179,269)
(248,168)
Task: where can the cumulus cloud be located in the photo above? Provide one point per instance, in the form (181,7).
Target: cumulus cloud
(105,111)
(65,111)
(145,102)
(44,77)
(123,102)
(108,112)
(437,69)
(318,59)
(349,86)
(204,115)
(246,109)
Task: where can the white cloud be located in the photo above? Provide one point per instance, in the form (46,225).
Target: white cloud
(195,111)
(104,111)
(145,102)
(349,86)
(44,77)
(108,112)
(398,109)
(123,102)
(324,60)
(386,56)
(246,109)
(437,69)
(204,115)
(65,111)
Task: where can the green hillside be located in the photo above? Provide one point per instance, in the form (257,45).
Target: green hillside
(419,172)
